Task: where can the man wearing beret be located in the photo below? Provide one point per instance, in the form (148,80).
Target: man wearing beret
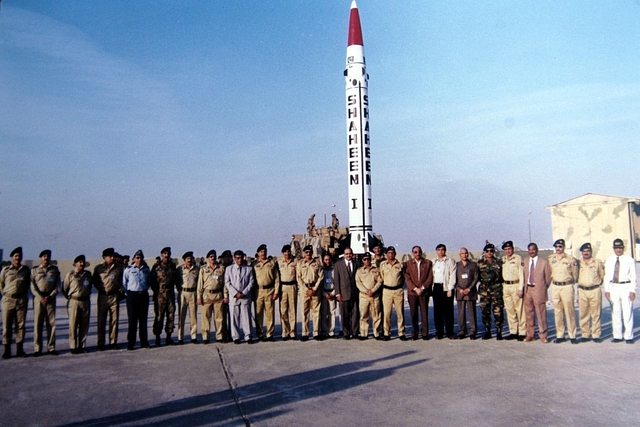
(266,292)
(377,259)
(239,281)
(590,277)
(620,290)
(136,285)
(564,274)
(45,284)
(368,282)
(212,296)
(187,286)
(14,285)
(107,279)
(310,277)
(163,280)
(289,294)
(490,292)
(513,291)
(77,289)
(392,274)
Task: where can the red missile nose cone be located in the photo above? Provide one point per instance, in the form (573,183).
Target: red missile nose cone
(355,32)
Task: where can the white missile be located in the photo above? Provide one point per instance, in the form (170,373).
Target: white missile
(358,149)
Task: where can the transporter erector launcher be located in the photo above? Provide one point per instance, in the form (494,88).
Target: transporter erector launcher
(358,149)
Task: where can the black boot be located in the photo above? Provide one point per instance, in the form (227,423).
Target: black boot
(19,351)
(499,335)
(7,351)
(169,341)
(158,341)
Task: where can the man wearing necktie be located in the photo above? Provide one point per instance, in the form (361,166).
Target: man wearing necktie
(537,277)
(239,281)
(620,290)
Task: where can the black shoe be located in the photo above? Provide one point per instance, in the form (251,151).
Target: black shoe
(169,341)
(559,340)
(205,341)
(461,336)
(347,337)
(237,341)
(486,336)
(362,338)
(629,341)
(451,337)
(37,354)
(583,339)
(425,337)
(573,341)
(101,347)
(20,352)
(129,347)
(378,338)
(180,342)
(75,351)
(304,338)
(113,346)
(84,350)
(386,338)
(439,337)
(521,338)
(286,338)
(271,339)
(51,353)
(617,340)
(158,341)
(194,341)
(403,337)
(597,340)
(472,337)
(250,341)
(499,336)
(7,351)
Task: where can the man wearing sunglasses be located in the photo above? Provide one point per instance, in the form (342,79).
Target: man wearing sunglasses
(490,292)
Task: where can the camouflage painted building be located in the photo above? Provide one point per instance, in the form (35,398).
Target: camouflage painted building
(599,219)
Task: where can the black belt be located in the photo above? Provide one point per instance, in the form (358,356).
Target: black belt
(563,283)
(80,298)
(392,288)
(188,289)
(271,286)
(529,285)
(621,283)
(289,283)
(18,296)
(588,288)
(327,290)
(109,294)
(138,292)
(214,292)
(511,282)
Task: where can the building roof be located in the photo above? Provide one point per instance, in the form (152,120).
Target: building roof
(595,199)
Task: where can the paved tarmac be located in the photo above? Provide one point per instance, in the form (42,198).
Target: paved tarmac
(334,382)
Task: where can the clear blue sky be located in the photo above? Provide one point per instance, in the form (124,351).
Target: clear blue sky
(222,124)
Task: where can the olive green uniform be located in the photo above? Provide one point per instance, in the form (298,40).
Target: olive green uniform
(369,279)
(108,281)
(564,273)
(392,274)
(77,289)
(187,291)
(590,277)
(288,297)
(45,282)
(267,285)
(310,275)
(14,285)
(513,281)
(212,292)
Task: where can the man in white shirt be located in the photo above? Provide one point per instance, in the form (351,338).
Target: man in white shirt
(620,290)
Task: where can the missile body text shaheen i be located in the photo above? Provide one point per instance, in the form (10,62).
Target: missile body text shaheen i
(358,148)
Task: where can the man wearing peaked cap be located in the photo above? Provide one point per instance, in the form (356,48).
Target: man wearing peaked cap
(564,274)
(590,278)
(107,279)
(620,290)
(289,293)
(513,292)
(14,285)
(163,280)
(266,293)
(212,296)
(45,284)
(187,286)
(77,289)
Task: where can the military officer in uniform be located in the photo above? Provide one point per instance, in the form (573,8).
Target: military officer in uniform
(77,289)
(369,283)
(267,291)
(512,292)
(45,285)
(163,278)
(310,277)
(14,285)
(187,287)
(564,273)
(136,285)
(289,294)
(590,278)
(376,260)
(490,292)
(392,274)
(212,296)
(107,279)
(620,290)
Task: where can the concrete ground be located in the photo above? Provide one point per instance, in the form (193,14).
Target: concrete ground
(334,382)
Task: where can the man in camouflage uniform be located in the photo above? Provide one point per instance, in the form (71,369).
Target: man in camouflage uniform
(14,285)
(213,297)
(45,285)
(267,290)
(512,292)
(310,277)
(369,282)
(77,289)
(107,279)
(490,292)
(590,278)
(187,287)
(164,276)
(564,273)
(289,294)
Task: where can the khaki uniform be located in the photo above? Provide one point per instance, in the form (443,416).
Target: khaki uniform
(392,293)
(108,282)
(45,282)
(267,277)
(211,292)
(512,283)
(368,279)
(14,285)
(163,280)
(310,275)
(77,289)
(590,297)
(564,273)
(187,287)
(288,297)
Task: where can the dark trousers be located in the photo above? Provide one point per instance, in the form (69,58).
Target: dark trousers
(137,312)
(442,310)
(419,305)
(467,309)
(350,317)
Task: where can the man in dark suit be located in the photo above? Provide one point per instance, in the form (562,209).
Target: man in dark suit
(419,277)
(537,278)
(467,276)
(344,278)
